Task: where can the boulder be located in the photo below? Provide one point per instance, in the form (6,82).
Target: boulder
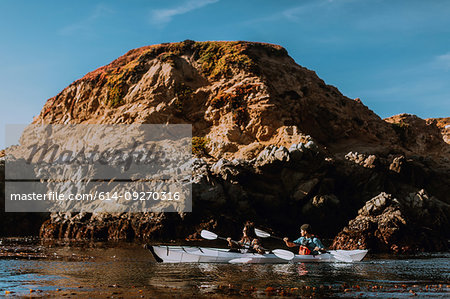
(418,222)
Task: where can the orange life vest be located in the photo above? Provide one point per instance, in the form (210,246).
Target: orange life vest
(303,250)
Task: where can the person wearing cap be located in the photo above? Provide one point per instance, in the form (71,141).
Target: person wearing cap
(309,244)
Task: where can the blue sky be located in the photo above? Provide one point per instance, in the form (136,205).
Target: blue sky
(394,55)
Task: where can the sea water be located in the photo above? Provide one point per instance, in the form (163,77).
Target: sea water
(95,266)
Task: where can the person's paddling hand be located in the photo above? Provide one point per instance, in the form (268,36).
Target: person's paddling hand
(229,239)
(288,244)
(286,240)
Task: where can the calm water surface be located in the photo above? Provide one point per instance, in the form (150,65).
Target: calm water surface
(100,266)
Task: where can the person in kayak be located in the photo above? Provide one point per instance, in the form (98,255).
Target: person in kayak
(309,244)
(248,241)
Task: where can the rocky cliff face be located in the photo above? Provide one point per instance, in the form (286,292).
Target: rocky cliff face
(274,144)
(444,125)
(421,136)
(241,96)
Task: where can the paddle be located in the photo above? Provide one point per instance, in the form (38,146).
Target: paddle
(263,234)
(241,260)
(337,255)
(281,253)
(206,234)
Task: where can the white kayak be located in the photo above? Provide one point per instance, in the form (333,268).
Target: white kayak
(188,254)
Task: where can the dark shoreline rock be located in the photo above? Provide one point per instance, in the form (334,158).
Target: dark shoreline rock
(17,224)
(386,224)
(281,192)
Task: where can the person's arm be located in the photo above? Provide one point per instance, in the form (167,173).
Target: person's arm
(257,246)
(259,249)
(244,243)
(318,244)
(233,244)
(290,244)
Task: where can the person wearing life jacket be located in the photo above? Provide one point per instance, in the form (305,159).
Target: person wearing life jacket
(248,241)
(309,244)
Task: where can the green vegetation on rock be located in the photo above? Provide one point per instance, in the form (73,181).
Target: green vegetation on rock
(236,102)
(183,94)
(199,146)
(117,86)
(217,59)
(115,95)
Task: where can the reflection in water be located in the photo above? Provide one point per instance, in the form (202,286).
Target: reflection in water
(301,270)
(131,265)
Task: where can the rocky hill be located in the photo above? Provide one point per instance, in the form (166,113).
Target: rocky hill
(274,144)
(240,95)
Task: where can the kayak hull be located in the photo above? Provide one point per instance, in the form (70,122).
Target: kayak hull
(187,254)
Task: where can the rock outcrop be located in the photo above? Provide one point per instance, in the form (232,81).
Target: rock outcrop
(274,145)
(385,223)
(444,125)
(17,224)
(419,136)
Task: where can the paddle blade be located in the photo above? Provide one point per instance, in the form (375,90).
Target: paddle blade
(341,257)
(242,260)
(261,233)
(206,234)
(284,254)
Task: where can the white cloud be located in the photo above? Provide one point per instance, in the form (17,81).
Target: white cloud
(85,25)
(309,7)
(164,16)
